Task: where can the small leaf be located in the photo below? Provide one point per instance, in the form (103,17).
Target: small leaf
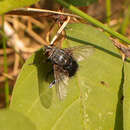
(12,120)
(7,5)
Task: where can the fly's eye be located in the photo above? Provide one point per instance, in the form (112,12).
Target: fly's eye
(47,53)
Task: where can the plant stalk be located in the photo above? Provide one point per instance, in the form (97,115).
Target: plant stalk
(108,10)
(94,21)
(125,22)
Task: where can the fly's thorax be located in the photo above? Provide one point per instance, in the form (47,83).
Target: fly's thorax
(63,59)
(60,57)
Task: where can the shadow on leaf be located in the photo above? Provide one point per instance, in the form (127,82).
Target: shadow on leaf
(44,78)
(119,109)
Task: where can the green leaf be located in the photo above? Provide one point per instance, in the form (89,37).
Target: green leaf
(12,120)
(92,101)
(7,5)
(126,104)
(81,2)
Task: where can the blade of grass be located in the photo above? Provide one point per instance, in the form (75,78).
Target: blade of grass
(125,22)
(94,21)
(5,65)
(108,11)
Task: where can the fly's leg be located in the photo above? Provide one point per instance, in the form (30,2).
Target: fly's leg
(52,83)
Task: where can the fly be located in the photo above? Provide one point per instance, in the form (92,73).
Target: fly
(65,64)
(64,61)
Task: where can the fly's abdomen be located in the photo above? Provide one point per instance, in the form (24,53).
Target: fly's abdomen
(71,68)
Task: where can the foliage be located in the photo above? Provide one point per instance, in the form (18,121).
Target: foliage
(12,120)
(95,93)
(7,5)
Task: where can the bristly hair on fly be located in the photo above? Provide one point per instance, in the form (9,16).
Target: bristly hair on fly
(65,64)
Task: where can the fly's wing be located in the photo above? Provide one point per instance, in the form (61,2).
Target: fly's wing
(80,52)
(61,82)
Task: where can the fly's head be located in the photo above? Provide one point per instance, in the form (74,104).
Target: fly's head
(49,51)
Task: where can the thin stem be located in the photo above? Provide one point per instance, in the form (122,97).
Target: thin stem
(60,30)
(108,10)
(5,65)
(125,22)
(94,21)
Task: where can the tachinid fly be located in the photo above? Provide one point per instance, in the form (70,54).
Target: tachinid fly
(65,61)
(65,64)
